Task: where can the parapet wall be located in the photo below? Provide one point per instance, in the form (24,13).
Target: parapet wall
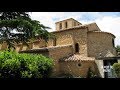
(20,47)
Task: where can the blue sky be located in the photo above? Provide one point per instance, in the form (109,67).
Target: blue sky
(107,21)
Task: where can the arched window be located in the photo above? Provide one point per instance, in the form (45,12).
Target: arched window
(60,25)
(76,47)
(66,25)
(113,42)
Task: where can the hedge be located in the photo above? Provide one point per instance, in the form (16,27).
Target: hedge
(22,65)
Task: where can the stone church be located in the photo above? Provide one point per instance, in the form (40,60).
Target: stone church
(76,48)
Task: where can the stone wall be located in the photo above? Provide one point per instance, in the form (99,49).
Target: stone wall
(57,53)
(43,51)
(39,44)
(100,67)
(80,37)
(20,47)
(70,23)
(3,46)
(92,27)
(61,39)
(71,36)
(100,44)
(50,43)
(64,38)
(72,68)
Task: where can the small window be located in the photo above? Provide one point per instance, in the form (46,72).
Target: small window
(76,47)
(79,64)
(113,42)
(66,25)
(60,25)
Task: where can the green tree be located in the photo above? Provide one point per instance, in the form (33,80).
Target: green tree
(13,15)
(116,67)
(8,23)
(118,48)
(16,27)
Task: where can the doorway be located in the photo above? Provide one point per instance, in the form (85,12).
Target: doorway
(108,73)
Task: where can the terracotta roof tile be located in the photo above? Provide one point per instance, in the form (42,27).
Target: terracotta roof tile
(76,57)
(76,27)
(102,32)
(45,48)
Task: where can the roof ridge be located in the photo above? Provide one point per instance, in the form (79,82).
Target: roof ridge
(67,19)
(76,57)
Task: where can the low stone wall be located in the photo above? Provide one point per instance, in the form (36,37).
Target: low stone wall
(20,47)
(3,46)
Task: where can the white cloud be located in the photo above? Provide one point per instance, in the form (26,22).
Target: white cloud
(44,18)
(108,24)
(112,25)
(105,22)
(49,18)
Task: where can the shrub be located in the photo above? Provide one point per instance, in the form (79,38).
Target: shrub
(16,65)
(91,74)
(116,67)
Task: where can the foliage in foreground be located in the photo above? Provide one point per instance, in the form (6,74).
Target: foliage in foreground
(91,74)
(15,65)
(18,27)
(116,67)
(118,48)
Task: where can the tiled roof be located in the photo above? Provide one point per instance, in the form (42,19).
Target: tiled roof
(34,50)
(45,48)
(102,32)
(68,19)
(58,46)
(76,27)
(84,26)
(76,57)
